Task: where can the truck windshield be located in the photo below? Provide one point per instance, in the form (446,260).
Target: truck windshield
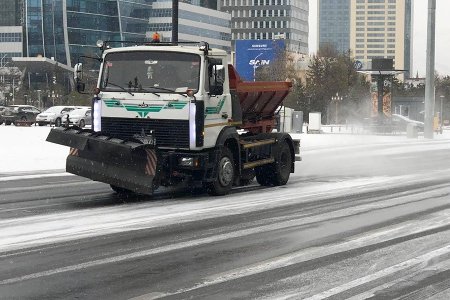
(150,71)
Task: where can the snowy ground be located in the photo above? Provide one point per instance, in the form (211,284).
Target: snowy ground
(24,149)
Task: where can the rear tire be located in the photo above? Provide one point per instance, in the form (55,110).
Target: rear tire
(278,172)
(223,182)
(7,122)
(82,124)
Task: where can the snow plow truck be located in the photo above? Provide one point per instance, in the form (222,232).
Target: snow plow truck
(164,114)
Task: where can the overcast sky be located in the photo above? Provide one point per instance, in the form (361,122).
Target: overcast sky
(420,35)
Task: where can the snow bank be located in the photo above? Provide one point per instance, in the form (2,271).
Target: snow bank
(24,149)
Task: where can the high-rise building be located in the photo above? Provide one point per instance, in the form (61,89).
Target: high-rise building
(195,23)
(10,30)
(65,29)
(382,29)
(269,19)
(334,24)
(369,28)
(11,12)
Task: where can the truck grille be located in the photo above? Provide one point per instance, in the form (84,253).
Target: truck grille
(168,133)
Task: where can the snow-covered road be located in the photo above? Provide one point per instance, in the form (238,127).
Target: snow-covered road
(362,216)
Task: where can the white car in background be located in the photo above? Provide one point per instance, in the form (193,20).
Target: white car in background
(53,115)
(79,117)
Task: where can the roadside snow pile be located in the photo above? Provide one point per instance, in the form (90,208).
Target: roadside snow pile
(24,149)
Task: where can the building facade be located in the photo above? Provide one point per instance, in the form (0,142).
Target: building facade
(11,33)
(11,12)
(65,29)
(382,29)
(10,43)
(269,19)
(369,28)
(333,24)
(195,24)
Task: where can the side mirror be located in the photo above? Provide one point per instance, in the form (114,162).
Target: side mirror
(78,71)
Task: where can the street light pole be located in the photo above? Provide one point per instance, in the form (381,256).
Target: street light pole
(429,85)
(39,98)
(442,111)
(336,99)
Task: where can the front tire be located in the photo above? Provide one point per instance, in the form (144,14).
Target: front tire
(58,122)
(82,124)
(223,182)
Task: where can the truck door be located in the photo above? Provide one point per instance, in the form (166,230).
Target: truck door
(215,103)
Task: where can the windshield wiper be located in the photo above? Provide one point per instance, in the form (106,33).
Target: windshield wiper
(147,91)
(168,90)
(119,86)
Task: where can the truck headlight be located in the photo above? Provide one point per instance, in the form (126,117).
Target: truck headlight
(188,161)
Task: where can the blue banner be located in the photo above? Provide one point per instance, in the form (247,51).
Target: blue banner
(252,54)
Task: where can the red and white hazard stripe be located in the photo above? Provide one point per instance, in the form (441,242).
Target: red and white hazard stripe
(150,166)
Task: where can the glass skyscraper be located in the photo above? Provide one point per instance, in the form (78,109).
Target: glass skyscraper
(334,24)
(66,29)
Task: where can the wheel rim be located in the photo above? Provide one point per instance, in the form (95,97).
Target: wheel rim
(225,171)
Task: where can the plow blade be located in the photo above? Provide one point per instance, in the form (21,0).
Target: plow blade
(129,165)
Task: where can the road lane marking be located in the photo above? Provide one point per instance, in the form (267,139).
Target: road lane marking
(59,227)
(410,277)
(260,267)
(46,186)
(34,176)
(411,263)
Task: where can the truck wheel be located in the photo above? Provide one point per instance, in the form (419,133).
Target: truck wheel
(283,164)
(225,174)
(264,174)
(121,191)
(277,173)
(58,122)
